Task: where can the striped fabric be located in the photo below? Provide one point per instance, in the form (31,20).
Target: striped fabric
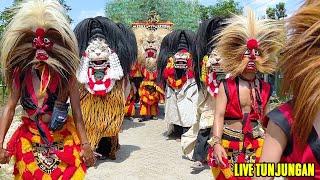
(236,154)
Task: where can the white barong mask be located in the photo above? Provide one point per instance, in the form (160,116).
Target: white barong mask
(213,66)
(214,61)
(100,68)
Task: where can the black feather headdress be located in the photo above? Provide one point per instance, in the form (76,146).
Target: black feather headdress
(171,44)
(119,38)
(131,38)
(205,42)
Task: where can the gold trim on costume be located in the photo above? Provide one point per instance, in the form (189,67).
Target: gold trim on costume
(257,132)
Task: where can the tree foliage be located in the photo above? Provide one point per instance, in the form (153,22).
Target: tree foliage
(271,13)
(224,8)
(183,13)
(278,12)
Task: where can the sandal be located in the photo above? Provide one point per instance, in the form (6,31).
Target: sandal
(197,165)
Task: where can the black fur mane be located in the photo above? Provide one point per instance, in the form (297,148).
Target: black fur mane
(119,38)
(205,42)
(170,46)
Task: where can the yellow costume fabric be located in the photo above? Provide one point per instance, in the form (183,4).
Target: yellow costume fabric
(34,160)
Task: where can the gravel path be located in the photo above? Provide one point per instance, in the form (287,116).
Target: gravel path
(146,154)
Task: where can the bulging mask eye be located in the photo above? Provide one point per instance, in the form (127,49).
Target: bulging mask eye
(256,52)
(46,40)
(247,52)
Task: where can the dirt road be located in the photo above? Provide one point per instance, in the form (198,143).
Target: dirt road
(146,154)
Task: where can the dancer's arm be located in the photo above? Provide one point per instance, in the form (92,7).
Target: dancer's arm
(221,103)
(77,115)
(6,120)
(274,145)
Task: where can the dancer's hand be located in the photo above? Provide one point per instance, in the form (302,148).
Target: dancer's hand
(219,153)
(88,155)
(4,156)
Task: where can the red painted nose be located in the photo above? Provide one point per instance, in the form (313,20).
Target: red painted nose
(39,44)
(252,55)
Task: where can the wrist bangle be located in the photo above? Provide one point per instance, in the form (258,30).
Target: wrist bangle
(214,140)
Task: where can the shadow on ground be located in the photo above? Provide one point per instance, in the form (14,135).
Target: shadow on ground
(122,155)
(197,171)
(129,123)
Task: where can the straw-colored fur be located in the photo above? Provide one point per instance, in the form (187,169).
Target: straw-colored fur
(16,46)
(301,67)
(142,34)
(232,43)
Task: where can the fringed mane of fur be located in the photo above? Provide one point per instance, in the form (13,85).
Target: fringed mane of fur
(301,68)
(205,42)
(16,49)
(139,34)
(119,38)
(142,33)
(232,43)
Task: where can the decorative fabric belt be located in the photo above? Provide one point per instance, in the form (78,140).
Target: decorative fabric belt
(232,134)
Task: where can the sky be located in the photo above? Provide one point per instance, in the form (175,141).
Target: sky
(81,9)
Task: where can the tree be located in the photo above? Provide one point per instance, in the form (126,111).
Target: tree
(222,8)
(204,12)
(225,8)
(271,13)
(279,12)
(184,14)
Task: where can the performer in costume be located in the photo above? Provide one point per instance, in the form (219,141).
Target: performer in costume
(194,142)
(149,35)
(176,67)
(107,52)
(40,57)
(130,109)
(130,90)
(294,127)
(136,78)
(246,46)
